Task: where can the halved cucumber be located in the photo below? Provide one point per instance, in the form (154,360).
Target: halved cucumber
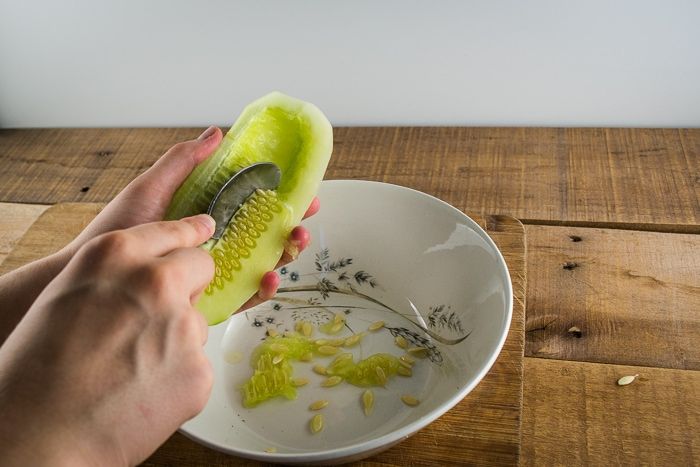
(297,137)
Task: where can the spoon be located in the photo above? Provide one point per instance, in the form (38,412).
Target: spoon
(263,175)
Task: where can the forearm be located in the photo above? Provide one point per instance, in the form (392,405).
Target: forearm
(38,448)
(19,289)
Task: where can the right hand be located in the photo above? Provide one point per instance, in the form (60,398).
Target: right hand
(108,362)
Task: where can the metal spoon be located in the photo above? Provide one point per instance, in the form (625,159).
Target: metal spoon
(263,175)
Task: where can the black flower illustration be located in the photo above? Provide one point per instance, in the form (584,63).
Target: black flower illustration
(362,277)
(419,341)
(441,317)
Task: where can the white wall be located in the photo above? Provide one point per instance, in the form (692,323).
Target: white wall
(364,62)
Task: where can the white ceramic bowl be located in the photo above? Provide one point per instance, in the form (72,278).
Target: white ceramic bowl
(379,252)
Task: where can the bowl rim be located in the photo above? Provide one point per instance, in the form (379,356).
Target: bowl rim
(375,445)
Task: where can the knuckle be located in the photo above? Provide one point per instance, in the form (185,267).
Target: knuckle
(188,329)
(171,227)
(176,229)
(158,279)
(184,147)
(206,261)
(132,317)
(106,246)
(201,376)
(139,188)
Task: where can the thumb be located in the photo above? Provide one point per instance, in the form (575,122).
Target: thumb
(168,173)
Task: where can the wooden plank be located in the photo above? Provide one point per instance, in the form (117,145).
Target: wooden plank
(52,230)
(57,165)
(637,176)
(16,219)
(483,428)
(575,414)
(599,175)
(634,296)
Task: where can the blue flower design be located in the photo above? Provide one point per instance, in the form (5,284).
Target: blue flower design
(283,271)
(294,276)
(277,307)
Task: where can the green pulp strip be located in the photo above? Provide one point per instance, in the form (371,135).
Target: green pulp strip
(271,380)
(364,372)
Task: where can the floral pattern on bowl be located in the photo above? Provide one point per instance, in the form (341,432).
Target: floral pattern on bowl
(338,277)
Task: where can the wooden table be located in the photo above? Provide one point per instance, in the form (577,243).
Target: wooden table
(612,218)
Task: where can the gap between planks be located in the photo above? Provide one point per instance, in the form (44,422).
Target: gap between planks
(660,228)
(649,366)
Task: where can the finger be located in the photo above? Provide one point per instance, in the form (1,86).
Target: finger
(203,326)
(194,298)
(192,268)
(160,238)
(313,207)
(168,173)
(268,288)
(298,240)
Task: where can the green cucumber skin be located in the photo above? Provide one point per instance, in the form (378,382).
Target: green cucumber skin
(300,145)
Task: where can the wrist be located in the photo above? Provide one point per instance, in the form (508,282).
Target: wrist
(20,288)
(28,442)
(39,437)
(59,259)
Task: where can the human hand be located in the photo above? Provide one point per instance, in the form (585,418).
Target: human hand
(144,200)
(148,196)
(108,361)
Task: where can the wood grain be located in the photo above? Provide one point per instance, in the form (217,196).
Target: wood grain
(639,176)
(634,296)
(16,219)
(53,229)
(484,428)
(575,414)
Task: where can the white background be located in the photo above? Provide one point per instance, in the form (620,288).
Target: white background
(364,62)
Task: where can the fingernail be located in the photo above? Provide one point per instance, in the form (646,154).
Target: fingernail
(204,219)
(207,133)
(268,285)
(299,236)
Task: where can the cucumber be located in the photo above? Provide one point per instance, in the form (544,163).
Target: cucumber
(297,137)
